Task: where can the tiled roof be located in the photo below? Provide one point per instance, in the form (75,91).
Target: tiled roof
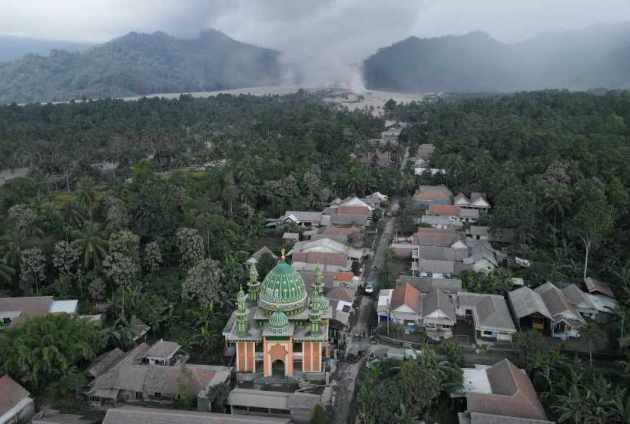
(322,258)
(577,297)
(406,295)
(31,306)
(105,361)
(444,210)
(489,311)
(341,293)
(596,286)
(344,276)
(428,193)
(526,301)
(513,394)
(11,393)
(558,304)
(353,210)
(437,300)
(163,349)
(435,237)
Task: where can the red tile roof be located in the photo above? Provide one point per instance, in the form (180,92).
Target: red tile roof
(444,210)
(11,393)
(406,295)
(344,276)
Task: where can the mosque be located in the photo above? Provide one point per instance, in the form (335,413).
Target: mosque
(278,328)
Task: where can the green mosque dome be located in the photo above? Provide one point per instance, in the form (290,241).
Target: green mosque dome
(282,289)
(279,323)
(323,303)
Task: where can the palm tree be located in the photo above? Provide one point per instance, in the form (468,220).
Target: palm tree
(92,244)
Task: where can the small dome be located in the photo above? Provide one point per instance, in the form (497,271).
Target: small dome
(282,289)
(323,303)
(279,322)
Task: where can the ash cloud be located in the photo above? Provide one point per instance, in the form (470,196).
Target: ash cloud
(324,39)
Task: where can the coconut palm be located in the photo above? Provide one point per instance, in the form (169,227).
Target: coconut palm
(92,244)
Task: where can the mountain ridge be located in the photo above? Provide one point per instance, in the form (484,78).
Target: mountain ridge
(593,57)
(137,64)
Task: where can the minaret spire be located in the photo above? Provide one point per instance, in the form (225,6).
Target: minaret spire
(242,326)
(253,284)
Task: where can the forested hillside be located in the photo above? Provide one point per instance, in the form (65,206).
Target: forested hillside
(596,57)
(139,64)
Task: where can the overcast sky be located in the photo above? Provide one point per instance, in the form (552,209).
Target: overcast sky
(278,23)
(345,31)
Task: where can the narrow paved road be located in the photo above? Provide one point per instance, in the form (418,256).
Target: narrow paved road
(346,375)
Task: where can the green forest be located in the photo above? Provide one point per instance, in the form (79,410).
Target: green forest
(164,235)
(162,230)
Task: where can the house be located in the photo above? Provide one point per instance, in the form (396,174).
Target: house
(297,406)
(440,222)
(475,201)
(350,235)
(329,255)
(135,379)
(290,239)
(305,219)
(597,287)
(341,300)
(489,314)
(346,279)
(438,315)
(350,211)
(439,254)
(104,362)
(580,301)
(376,199)
(405,305)
(454,213)
(259,254)
(437,237)
(501,394)
(138,415)
(164,353)
(477,232)
(529,310)
(427,195)
(16,404)
(565,320)
(426,284)
(16,309)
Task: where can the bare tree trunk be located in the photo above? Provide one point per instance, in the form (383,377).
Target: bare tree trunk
(587,248)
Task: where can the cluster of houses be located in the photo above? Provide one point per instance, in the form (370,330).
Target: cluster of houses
(332,242)
(384,152)
(448,242)
(442,246)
